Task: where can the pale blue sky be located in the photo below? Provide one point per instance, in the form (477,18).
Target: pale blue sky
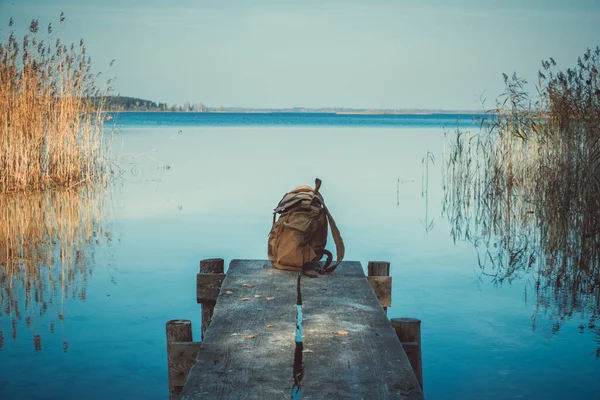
(437,54)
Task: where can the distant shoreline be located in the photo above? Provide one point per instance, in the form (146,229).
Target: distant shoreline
(135,104)
(305,112)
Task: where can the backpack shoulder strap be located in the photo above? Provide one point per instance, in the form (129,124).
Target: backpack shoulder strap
(340,249)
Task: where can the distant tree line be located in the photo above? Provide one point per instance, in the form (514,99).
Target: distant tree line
(125,103)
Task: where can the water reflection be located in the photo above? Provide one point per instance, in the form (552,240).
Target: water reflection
(532,213)
(298,367)
(46,246)
(428,159)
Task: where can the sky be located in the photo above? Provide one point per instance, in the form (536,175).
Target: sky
(396,54)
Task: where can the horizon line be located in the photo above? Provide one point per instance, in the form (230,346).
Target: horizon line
(332,108)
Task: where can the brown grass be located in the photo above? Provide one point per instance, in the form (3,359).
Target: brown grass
(51,137)
(50,132)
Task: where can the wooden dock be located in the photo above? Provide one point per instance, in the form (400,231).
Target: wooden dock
(276,335)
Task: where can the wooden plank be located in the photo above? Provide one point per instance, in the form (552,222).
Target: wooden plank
(251,267)
(382,286)
(368,361)
(232,366)
(208,287)
(181,358)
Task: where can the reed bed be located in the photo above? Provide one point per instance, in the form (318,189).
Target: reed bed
(46,241)
(525,188)
(50,129)
(54,160)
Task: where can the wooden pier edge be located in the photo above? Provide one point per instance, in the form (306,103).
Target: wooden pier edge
(208,285)
(408,331)
(181,349)
(378,275)
(181,354)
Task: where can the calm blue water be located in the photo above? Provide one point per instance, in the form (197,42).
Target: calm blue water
(141,119)
(192,190)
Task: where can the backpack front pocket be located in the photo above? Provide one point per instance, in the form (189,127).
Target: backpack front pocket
(294,248)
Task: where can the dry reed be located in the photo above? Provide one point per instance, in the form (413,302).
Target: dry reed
(50,131)
(51,137)
(526,188)
(46,240)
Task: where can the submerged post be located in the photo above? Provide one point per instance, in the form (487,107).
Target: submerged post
(181,354)
(381,282)
(408,331)
(208,284)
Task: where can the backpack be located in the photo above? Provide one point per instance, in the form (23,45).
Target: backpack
(298,237)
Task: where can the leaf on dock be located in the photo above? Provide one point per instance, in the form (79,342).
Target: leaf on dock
(270,298)
(248,285)
(245,299)
(269,325)
(342,332)
(250,336)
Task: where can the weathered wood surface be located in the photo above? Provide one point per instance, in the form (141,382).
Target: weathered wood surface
(232,366)
(366,363)
(382,286)
(378,268)
(182,355)
(208,287)
(178,331)
(408,331)
(213,267)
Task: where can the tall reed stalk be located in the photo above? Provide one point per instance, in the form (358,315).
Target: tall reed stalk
(526,188)
(50,132)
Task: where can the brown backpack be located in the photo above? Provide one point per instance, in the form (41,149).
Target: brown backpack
(298,237)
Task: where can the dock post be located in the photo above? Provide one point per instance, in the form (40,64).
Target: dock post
(215,267)
(408,331)
(380,280)
(181,354)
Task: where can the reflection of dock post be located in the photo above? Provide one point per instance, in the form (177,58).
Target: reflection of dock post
(409,333)
(208,285)
(181,354)
(380,280)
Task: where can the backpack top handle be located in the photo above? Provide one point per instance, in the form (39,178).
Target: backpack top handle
(317,185)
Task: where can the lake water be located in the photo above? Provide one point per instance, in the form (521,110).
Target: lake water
(194,186)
